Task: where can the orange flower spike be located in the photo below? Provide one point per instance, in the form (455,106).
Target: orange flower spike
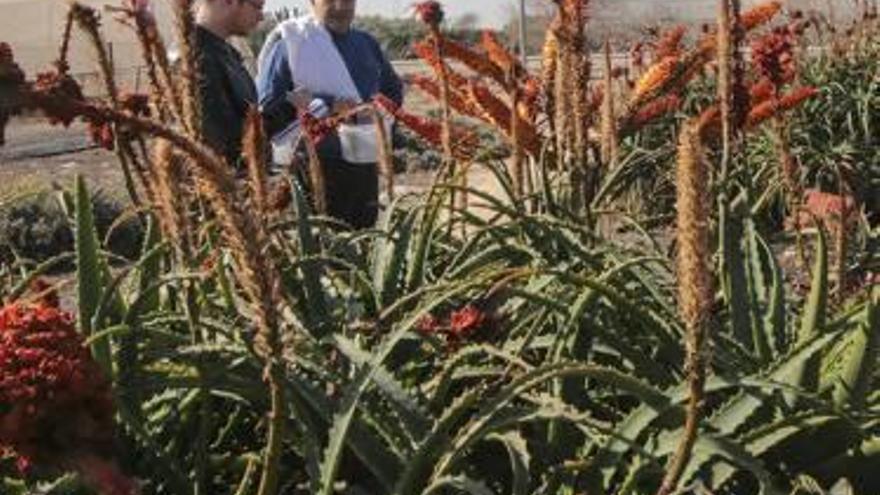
(655,77)
(769,108)
(426,52)
(761,91)
(669,45)
(528,105)
(456,100)
(499,55)
(477,62)
(657,108)
(750,19)
(499,114)
(760,14)
(464,143)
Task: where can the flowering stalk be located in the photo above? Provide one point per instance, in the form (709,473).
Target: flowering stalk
(517,160)
(254,152)
(431,14)
(246,238)
(549,60)
(87,20)
(386,163)
(186,32)
(694,288)
(316,176)
(464,143)
(609,121)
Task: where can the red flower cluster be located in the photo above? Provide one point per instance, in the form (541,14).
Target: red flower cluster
(462,324)
(499,55)
(56,91)
(430,13)
(465,321)
(832,209)
(316,129)
(102,134)
(53,396)
(773,57)
(136,103)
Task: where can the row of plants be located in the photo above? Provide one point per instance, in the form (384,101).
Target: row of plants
(570,337)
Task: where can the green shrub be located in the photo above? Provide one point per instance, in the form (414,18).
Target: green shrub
(35,227)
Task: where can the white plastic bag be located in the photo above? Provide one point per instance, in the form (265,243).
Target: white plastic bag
(360,142)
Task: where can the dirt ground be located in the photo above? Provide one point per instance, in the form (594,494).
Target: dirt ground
(38,156)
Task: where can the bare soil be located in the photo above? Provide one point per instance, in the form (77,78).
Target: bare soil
(38,155)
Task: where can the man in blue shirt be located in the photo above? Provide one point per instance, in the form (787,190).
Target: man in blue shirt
(298,74)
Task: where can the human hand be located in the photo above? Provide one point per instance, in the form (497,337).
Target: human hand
(301,98)
(342,105)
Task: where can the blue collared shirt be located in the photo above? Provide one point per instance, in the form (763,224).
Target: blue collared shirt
(363,57)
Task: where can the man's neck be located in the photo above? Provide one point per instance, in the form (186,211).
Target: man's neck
(334,31)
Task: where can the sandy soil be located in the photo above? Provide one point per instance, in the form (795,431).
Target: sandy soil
(38,155)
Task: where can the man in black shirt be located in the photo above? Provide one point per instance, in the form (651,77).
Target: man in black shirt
(226,88)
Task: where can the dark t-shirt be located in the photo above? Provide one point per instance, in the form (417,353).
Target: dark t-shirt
(227,91)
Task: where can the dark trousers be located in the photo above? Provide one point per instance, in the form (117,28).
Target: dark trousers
(352,192)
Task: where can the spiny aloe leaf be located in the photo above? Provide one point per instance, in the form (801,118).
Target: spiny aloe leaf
(813,318)
(417,420)
(419,467)
(344,419)
(518,452)
(315,306)
(460,483)
(733,283)
(774,317)
(89,272)
(381,461)
(420,246)
(856,359)
(757,287)
(814,310)
(389,255)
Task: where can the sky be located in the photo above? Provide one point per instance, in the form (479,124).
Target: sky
(491,12)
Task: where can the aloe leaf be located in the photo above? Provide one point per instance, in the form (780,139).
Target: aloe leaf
(417,420)
(774,317)
(757,292)
(345,417)
(461,483)
(89,273)
(150,268)
(420,246)
(814,310)
(315,306)
(859,359)
(734,281)
(813,318)
(389,257)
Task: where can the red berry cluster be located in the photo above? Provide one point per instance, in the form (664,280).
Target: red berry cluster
(53,397)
